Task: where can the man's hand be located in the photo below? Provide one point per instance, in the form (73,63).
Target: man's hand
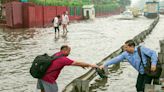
(153,67)
(94,66)
(84,67)
(101,67)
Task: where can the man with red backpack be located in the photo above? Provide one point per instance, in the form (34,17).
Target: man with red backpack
(48,82)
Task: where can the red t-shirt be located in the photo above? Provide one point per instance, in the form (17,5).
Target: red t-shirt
(57,64)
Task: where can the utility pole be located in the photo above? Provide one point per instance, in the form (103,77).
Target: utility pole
(0,9)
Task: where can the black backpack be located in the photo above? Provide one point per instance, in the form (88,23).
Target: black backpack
(52,21)
(40,65)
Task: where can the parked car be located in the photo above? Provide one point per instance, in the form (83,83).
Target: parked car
(127,15)
(161,10)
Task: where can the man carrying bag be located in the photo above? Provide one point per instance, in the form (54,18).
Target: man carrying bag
(131,54)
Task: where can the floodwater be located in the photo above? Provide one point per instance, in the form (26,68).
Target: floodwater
(124,79)
(90,41)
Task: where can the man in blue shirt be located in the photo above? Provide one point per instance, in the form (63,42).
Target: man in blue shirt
(131,54)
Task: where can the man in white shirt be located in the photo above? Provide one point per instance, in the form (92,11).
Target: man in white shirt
(65,22)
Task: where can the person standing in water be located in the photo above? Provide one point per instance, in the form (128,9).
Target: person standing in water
(48,82)
(56,23)
(65,22)
(132,55)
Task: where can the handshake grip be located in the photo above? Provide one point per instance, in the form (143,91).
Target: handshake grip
(101,72)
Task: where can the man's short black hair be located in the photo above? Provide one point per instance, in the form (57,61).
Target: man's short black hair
(58,16)
(64,47)
(130,43)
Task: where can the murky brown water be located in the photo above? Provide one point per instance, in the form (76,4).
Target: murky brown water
(91,41)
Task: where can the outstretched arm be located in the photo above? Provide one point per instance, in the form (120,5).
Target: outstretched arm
(83,64)
(115,60)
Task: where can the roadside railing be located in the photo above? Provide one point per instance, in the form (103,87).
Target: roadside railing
(81,84)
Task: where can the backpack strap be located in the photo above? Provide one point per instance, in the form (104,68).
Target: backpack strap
(54,57)
(139,53)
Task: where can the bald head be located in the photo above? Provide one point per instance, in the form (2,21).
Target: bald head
(65,49)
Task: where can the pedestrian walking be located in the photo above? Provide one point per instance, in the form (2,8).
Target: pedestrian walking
(57,23)
(65,22)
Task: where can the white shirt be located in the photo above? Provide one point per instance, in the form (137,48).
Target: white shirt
(65,19)
(56,20)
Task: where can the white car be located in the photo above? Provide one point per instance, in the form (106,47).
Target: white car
(127,15)
(161,10)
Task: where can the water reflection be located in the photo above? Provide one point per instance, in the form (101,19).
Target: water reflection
(64,37)
(100,84)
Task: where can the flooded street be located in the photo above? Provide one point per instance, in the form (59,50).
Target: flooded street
(124,79)
(90,41)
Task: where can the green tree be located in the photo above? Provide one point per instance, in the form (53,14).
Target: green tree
(124,2)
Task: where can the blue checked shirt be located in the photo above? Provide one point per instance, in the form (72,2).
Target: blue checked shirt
(134,58)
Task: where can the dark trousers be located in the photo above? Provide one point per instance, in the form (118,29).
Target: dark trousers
(56,28)
(142,79)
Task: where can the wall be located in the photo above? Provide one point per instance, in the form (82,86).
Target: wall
(30,15)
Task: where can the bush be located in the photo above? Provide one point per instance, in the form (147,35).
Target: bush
(56,3)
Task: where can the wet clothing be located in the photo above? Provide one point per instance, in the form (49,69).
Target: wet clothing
(134,58)
(57,64)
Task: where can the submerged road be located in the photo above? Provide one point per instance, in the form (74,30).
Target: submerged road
(90,41)
(124,79)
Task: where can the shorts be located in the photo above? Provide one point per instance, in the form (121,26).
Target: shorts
(47,87)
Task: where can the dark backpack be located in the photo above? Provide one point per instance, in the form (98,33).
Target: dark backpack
(40,65)
(52,21)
